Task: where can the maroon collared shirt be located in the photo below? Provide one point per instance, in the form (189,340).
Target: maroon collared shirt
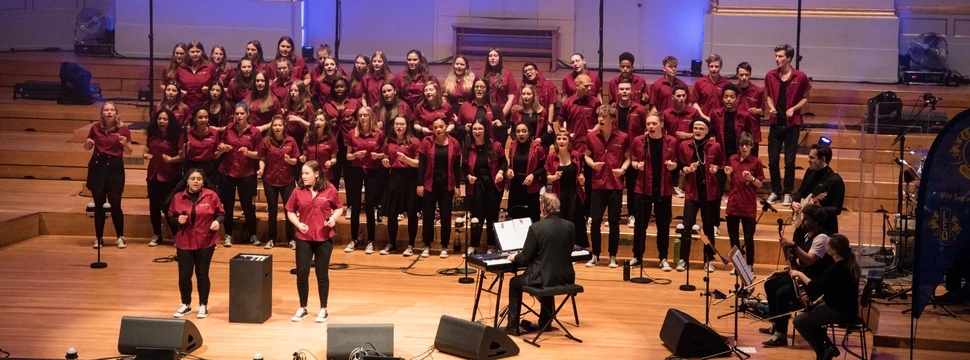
(743,197)
(234,95)
(466,115)
(752,96)
(412,92)
(552,165)
(493,166)
(569,84)
(295,128)
(281,90)
(639,87)
(370,142)
(108,143)
(345,119)
(713,155)
(158,169)
(427,148)
(236,164)
(314,211)
(612,152)
(535,165)
(743,122)
(321,152)
(195,235)
(372,89)
(181,111)
(277,172)
(500,94)
(546,91)
(679,121)
(708,93)
(662,95)
(798,86)
(579,116)
(321,87)
(636,119)
(193,81)
(425,116)
(200,148)
(640,151)
(408,149)
(258,117)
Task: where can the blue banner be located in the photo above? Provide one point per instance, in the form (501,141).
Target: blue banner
(942,209)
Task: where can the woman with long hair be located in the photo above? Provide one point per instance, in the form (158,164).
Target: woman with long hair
(377,75)
(220,111)
(195,73)
(476,108)
(431,107)
(172,101)
(578,63)
(298,68)
(262,103)
(280,85)
(342,111)
(241,84)
(365,172)
(241,142)
(174,63)
(564,170)
(323,78)
(110,140)
(313,209)
(840,287)
(356,76)
(199,146)
(410,82)
(526,174)
(298,112)
(440,169)
(484,168)
(278,156)
(458,84)
(164,170)
(391,107)
(503,89)
(220,63)
(320,144)
(197,213)
(401,158)
(531,113)
(254,52)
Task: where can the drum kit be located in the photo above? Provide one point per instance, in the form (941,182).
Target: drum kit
(902,229)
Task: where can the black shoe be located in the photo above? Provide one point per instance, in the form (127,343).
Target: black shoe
(830,353)
(766,331)
(512,331)
(776,342)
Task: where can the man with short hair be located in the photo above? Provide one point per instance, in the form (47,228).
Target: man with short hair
(654,155)
(546,92)
(729,123)
(608,155)
(786,92)
(547,258)
(751,97)
(630,120)
(662,90)
(821,179)
(638,86)
(678,122)
(707,90)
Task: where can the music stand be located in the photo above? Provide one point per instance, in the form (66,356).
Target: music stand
(742,272)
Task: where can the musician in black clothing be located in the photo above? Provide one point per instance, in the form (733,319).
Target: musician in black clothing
(547,256)
(810,258)
(821,179)
(839,285)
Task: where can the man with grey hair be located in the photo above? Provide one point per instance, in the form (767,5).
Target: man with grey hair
(547,257)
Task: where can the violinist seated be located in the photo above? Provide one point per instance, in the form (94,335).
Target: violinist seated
(836,293)
(808,256)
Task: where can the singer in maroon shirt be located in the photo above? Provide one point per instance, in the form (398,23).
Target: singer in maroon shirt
(401,159)
(569,84)
(484,168)
(608,155)
(745,172)
(786,92)
(241,143)
(281,83)
(638,86)
(701,158)
(662,90)
(707,90)
(410,82)
(197,213)
(654,156)
(440,167)
(194,74)
(278,155)
(365,172)
(111,140)
(164,168)
(321,144)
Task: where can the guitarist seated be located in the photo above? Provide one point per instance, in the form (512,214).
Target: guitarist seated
(839,285)
(808,255)
(821,182)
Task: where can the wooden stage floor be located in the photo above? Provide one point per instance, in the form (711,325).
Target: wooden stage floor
(52,301)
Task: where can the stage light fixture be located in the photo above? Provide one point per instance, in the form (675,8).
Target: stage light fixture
(825,140)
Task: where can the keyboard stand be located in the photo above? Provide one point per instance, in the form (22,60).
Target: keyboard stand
(498,279)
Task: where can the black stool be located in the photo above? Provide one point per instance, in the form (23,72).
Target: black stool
(570,291)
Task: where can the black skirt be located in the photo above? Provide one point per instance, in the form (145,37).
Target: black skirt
(106,174)
(400,191)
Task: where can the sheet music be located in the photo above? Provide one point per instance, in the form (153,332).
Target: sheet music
(511,234)
(741,266)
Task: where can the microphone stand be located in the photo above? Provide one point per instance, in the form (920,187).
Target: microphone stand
(465,279)
(99,264)
(734,348)
(685,236)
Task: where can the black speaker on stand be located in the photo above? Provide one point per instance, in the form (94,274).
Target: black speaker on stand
(471,340)
(139,332)
(75,85)
(686,337)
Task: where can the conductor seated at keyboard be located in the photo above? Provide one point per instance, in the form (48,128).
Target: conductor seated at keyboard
(546,255)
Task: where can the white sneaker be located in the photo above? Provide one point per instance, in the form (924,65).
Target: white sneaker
(443,254)
(228,241)
(787,201)
(491,250)
(469,252)
(370,248)
(634,262)
(154,241)
(387,249)
(773,198)
(426,252)
(409,251)
(631,222)
(681,265)
(606,223)
(98,243)
(613,263)
(292,244)
(664,265)
(202,313)
(733,271)
(717,232)
(350,247)
(269,244)
(593,261)
(121,242)
(589,221)
(347,213)
(323,316)
(678,192)
(255,240)
(708,267)
(182,311)
(400,217)
(300,314)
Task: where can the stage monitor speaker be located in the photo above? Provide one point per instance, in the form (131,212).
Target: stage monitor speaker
(686,337)
(343,339)
(146,353)
(308,54)
(139,332)
(75,85)
(471,340)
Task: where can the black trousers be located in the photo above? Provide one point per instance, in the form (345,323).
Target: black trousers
(100,216)
(319,252)
(811,324)
(780,293)
(516,284)
(782,136)
(444,201)
(371,180)
(660,206)
(273,194)
(749,225)
(392,225)
(572,209)
(521,203)
(483,204)
(600,201)
(158,192)
(710,211)
(342,164)
(199,261)
(247,191)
